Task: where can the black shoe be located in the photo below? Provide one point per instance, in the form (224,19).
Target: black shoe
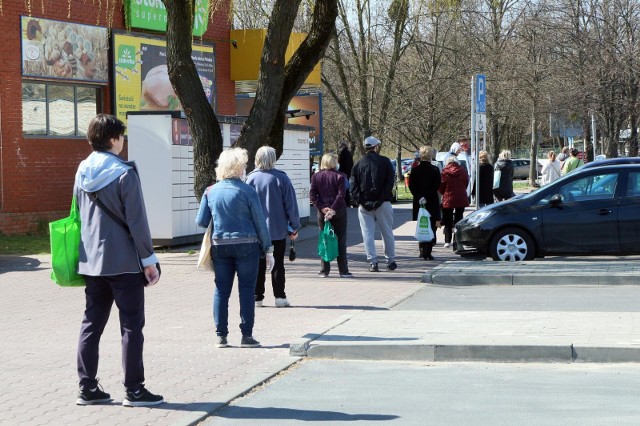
(90,397)
(249,342)
(392,266)
(141,398)
(429,257)
(373,267)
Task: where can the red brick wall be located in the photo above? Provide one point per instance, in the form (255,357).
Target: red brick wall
(36,175)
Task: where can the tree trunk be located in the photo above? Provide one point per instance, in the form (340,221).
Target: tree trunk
(203,124)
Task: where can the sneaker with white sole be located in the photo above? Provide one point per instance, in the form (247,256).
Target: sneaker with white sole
(259,304)
(93,396)
(222,342)
(282,303)
(141,398)
(447,245)
(249,342)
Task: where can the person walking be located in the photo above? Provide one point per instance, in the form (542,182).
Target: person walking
(372,180)
(239,238)
(486,181)
(572,163)
(504,166)
(345,165)
(552,170)
(117,261)
(453,187)
(424,185)
(327,194)
(280,208)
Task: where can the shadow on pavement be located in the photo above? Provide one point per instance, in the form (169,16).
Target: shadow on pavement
(240,412)
(18,263)
(344,338)
(346,307)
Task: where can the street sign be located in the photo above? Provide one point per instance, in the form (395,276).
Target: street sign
(481,122)
(481,94)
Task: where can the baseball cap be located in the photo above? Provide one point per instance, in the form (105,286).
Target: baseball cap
(371,141)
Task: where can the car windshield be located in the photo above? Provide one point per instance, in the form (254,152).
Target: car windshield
(593,187)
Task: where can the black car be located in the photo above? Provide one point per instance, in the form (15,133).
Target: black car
(591,211)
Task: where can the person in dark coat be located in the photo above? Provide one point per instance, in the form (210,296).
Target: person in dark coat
(345,160)
(453,187)
(486,181)
(424,184)
(504,165)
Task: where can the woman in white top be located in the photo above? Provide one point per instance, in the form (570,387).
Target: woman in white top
(551,170)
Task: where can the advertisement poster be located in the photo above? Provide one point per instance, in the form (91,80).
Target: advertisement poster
(141,80)
(152,15)
(308,102)
(64,50)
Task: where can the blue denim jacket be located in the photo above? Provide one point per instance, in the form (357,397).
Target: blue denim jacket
(236,212)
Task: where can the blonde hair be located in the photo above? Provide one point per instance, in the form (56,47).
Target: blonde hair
(551,154)
(426,153)
(505,155)
(484,157)
(265,158)
(452,159)
(328,161)
(232,163)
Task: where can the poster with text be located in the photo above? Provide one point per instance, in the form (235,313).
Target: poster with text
(141,78)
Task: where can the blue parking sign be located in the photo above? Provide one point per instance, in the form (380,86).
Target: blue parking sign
(481,94)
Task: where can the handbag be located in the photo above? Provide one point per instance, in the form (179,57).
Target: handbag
(424,233)
(204,259)
(496,179)
(327,243)
(64,237)
(292,251)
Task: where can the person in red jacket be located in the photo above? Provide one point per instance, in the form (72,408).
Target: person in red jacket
(453,187)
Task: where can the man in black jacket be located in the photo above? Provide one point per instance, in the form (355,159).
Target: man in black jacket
(372,180)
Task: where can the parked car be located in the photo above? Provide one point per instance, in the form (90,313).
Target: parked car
(592,211)
(612,161)
(521,168)
(406,165)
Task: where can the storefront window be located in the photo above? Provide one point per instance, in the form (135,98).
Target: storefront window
(58,109)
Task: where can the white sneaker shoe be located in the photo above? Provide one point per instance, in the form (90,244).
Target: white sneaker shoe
(258,303)
(447,245)
(282,303)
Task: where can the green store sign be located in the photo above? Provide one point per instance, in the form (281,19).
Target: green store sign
(152,15)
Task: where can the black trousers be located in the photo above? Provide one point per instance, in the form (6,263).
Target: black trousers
(339,223)
(127,290)
(277,273)
(449,218)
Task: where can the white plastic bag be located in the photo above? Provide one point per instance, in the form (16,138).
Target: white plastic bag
(204,259)
(424,233)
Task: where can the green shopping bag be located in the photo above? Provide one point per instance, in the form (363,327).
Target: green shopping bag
(65,239)
(327,243)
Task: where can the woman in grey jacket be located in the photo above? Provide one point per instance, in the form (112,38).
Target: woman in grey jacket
(116,259)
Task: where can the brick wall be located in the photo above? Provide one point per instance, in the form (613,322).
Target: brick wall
(36,174)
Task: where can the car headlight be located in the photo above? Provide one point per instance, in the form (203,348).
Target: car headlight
(479,216)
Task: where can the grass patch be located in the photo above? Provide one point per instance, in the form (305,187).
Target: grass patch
(404,194)
(22,245)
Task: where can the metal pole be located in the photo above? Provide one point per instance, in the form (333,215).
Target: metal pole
(593,134)
(474,142)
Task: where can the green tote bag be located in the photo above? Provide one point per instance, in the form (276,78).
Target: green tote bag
(327,243)
(65,239)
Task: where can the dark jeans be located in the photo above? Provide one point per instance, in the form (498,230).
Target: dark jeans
(277,273)
(227,261)
(449,218)
(339,223)
(127,290)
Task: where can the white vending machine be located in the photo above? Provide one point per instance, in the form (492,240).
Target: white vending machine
(161,145)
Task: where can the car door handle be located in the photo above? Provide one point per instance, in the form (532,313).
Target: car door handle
(603,212)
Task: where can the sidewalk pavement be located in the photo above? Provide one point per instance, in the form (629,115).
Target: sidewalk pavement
(329,317)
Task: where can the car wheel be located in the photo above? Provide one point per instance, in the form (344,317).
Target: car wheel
(512,245)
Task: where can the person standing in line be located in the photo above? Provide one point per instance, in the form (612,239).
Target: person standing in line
(552,170)
(563,156)
(327,191)
(345,165)
(486,181)
(239,238)
(572,162)
(280,207)
(504,165)
(372,180)
(453,187)
(424,185)
(117,261)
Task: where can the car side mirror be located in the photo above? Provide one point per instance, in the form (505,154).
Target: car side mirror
(556,200)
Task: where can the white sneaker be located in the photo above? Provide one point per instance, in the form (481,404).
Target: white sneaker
(447,245)
(282,303)
(258,303)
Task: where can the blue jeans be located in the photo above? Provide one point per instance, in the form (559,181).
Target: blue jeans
(383,218)
(227,261)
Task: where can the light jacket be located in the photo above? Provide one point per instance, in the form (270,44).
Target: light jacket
(571,164)
(278,200)
(550,172)
(106,248)
(236,212)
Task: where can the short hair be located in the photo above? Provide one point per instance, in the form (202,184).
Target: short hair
(483,156)
(426,153)
(328,161)
(505,154)
(551,154)
(265,158)
(452,159)
(232,163)
(103,128)
(574,152)
(565,150)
